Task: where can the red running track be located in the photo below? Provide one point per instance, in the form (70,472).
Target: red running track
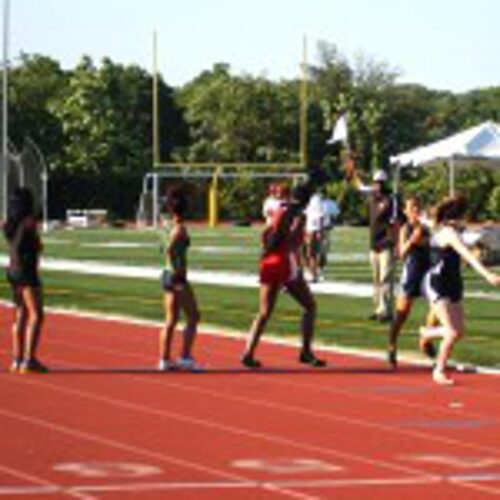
(105,425)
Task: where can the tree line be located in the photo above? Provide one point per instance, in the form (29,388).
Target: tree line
(94,122)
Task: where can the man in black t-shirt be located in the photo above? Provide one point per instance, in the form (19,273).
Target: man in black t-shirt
(383,235)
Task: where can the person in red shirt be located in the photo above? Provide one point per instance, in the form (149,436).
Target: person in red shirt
(280,267)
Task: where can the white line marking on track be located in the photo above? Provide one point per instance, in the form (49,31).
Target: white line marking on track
(477,477)
(107,469)
(286,465)
(142,487)
(164,486)
(27,490)
(226,428)
(455,461)
(478,487)
(119,445)
(115,444)
(301,410)
(208,485)
(40,482)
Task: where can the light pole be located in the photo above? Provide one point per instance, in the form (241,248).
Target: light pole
(5,108)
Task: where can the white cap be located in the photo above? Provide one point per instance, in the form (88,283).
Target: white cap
(379,176)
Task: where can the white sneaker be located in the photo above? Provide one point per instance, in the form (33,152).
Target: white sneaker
(188,365)
(165,365)
(15,365)
(439,376)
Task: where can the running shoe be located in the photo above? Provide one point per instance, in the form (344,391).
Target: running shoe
(250,362)
(385,318)
(165,365)
(33,366)
(15,365)
(392,358)
(439,376)
(188,365)
(308,358)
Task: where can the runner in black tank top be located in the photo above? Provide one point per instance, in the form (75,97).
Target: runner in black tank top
(445,275)
(414,250)
(443,283)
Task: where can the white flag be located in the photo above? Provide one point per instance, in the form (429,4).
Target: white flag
(339,132)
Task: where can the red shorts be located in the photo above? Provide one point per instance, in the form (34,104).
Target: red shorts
(275,268)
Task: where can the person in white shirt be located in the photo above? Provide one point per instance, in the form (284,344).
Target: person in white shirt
(314,223)
(330,211)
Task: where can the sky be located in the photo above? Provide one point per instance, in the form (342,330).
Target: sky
(442,44)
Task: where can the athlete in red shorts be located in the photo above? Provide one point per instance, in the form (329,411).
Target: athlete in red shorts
(280,267)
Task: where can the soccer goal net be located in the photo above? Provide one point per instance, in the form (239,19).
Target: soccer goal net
(217,193)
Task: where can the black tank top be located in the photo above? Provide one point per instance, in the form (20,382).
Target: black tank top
(419,255)
(446,271)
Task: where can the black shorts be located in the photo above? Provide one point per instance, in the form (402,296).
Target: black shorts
(436,288)
(19,279)
(170,282)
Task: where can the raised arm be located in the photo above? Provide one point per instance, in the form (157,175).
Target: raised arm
(352,176)
(452,238)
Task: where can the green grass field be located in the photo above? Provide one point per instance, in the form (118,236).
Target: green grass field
(341,321)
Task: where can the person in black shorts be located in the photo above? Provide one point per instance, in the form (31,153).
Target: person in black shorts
(24,244)
(413,249)
(443,283)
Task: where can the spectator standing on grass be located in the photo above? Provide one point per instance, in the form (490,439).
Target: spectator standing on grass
(330,211)
(280,268)
(383,235)
(25,246)
(313,234)
(178,294)
(443,283)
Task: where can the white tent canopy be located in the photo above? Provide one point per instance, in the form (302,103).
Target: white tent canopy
(476,145)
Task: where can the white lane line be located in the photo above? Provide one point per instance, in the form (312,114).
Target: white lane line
(42,484)
(335,483)
(129,448)
(181,486)
(277,406)
(231,429)
(86,436)
(27,490)
(422,477)
(165,486)
(477,486)
(322,415)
